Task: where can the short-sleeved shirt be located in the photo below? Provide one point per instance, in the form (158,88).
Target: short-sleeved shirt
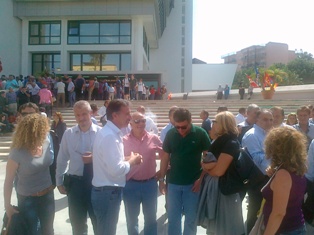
(207,125)
(147,146)
(185,154)
(33,172)
(227,144)
(133,83)
(60,87)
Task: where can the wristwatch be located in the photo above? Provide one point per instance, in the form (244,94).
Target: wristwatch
(161,180)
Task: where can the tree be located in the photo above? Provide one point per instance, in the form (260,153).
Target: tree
(303,67)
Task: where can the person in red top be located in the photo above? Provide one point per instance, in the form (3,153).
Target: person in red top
(152,91)
(141,185)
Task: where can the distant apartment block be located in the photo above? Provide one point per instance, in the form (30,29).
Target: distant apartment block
(260,56)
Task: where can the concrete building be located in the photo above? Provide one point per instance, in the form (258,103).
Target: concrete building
(149,38)
(261,56)
(207,77)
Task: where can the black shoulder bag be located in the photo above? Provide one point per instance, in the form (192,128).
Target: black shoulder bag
(241,174)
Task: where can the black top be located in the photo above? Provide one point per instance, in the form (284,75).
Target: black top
(226,143)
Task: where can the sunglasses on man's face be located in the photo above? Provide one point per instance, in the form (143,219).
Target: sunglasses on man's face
(181,127)
(137,121)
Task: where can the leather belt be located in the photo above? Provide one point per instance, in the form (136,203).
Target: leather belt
(141,181)
(43,192)
(106,188)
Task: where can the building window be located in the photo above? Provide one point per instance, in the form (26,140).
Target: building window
(162,15)
(45,61)
(100,62)
(99,32)
(145,43)
(44,33)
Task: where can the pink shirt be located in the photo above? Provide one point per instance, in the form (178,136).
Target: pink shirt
(147,147)
(45,96)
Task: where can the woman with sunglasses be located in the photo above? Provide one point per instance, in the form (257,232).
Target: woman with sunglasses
(225,148)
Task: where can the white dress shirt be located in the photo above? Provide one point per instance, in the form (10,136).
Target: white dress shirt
(73,145)
(109,166)
(239,118)
(151,126)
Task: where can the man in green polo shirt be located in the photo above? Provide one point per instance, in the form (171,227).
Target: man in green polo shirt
(183,148)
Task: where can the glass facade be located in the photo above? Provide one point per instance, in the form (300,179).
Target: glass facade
(45,61)
(44,33)
(100,61)
(99,32)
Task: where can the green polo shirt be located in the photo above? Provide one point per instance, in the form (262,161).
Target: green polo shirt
(185,154)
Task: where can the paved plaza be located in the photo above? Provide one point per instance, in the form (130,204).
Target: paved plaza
(62,224)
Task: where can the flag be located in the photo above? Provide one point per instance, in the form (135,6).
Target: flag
(252,83)
(267,80)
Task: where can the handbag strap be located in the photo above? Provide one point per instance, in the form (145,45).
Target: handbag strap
(271,178)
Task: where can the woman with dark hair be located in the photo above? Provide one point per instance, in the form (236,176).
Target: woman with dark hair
(58,125)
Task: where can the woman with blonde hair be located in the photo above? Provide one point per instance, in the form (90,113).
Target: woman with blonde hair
(284,193)
(292,119)
(227,218)
(29,161)
(58,125)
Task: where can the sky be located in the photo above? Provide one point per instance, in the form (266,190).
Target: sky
(222,27)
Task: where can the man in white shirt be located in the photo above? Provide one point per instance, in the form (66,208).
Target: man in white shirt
(71,92)
(110,167)
(150,124)
(60,92)
(34,89)
(240,117)
(102,112)
(76,155)
(126,85)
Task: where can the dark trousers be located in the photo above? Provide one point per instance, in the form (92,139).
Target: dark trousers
(35,99)
(79,200)
(255,200)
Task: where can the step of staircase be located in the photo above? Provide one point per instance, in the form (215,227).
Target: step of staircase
(158,110)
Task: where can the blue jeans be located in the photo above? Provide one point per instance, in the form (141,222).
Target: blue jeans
(299,231)
(106,203)
(72,96)
(134,194)
(133,94)
(79,201)
(39,213)
(181,200)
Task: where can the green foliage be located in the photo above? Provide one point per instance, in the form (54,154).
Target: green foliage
(303,67)
(297,72)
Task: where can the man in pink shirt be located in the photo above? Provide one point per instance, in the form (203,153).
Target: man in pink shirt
(45,100)
(141,185)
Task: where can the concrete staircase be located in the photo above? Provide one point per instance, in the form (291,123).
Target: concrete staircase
(158,110)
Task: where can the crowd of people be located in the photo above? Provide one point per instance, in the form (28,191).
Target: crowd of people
(48,91)
(98,167)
